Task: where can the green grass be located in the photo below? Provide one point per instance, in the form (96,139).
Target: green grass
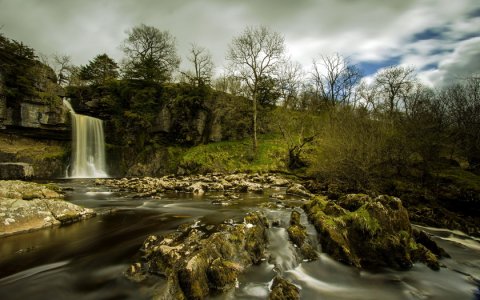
(229,156)
(461,178)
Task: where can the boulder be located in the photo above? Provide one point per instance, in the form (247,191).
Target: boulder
(198,263)
(299,237)
(26,206)
(283,289)
(277,181)
(15,170)
(373,233)
(298,190)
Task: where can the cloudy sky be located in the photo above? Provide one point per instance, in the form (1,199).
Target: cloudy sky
(440,38)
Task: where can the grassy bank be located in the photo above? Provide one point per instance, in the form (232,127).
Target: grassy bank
(231,156)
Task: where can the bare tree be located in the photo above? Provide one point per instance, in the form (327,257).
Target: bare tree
(62,66)
(366,96)
(254,55)
(335,79)
(394,84)
(290,77)
(202,62)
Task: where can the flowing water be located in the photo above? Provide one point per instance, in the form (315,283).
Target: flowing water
(86,260)
(88,147)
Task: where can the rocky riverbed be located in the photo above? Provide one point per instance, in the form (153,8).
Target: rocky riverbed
(195,237)
(196,261)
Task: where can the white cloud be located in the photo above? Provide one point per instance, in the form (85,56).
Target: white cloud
(365,31)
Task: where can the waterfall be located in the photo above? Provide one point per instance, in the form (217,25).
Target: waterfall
(88,146)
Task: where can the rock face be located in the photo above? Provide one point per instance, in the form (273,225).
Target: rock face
(197,262)
(46,157)
(16,171)
(40,114)
(369,233)
(26,206)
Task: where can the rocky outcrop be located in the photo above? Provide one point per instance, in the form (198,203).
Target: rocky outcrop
(16,171)
(368,232)
(38,114)
(27,206)
(197,262)
(47,158)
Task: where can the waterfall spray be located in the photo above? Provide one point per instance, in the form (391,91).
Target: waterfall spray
(88,146)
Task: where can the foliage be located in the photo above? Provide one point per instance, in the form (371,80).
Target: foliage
(16,68)
(151,54)
(99,70)
(299,130)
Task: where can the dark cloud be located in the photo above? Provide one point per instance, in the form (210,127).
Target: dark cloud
(371,32)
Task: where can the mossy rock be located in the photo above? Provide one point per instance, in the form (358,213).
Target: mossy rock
(200,261)
(282,289)
(373,233)
(297,234)
(192,277)
(352,202)
(295,218)
(222,274)
(422,254)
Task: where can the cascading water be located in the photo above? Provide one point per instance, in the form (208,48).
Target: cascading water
(88,146)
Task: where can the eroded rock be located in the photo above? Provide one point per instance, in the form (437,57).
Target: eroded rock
(299,237)
(298,190)
(196,262)
(371,233)
(283,289)
(27,206)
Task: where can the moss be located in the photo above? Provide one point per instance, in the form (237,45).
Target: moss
(422,254)
(282,289)
(222,274)
(53,187)
(361,219)
(295,218)
(297,234)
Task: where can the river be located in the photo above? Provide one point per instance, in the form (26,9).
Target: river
(86,260)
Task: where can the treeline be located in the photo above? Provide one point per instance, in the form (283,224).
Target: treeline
(338,126)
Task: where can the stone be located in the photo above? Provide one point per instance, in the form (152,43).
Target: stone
(299,237)
(197,264)
(16,170)
(277,181)
(277,196)
(298,190)
(222,274)
(28,206)
(374,233)
(282,289)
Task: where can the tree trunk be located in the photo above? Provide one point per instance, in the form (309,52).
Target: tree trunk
(255,145)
